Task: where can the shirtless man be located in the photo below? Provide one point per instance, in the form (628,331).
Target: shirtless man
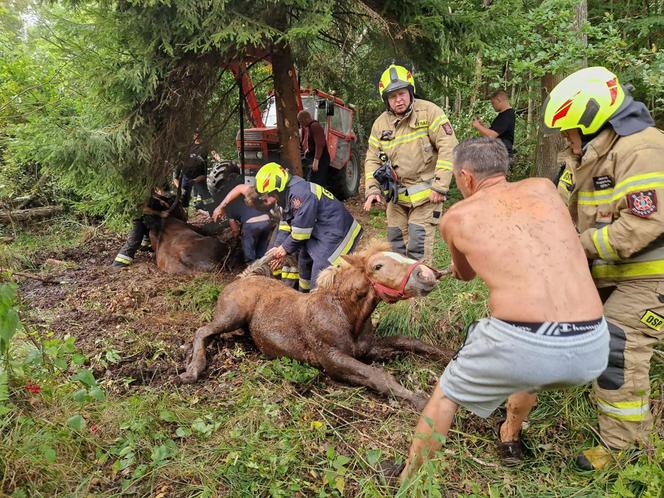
(546,328)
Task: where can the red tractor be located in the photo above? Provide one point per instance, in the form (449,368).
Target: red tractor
(260,143)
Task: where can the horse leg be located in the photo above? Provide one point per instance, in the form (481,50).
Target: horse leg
(220,325)
(387,347)
(346,368)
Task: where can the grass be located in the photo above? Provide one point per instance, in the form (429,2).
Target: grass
(279,428)
(198,296)
(45,237)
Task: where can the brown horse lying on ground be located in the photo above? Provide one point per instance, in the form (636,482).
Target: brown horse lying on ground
(178,247)
(330,328)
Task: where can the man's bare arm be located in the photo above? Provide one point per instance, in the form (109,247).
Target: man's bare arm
(237,191)
(460,265)
(483,129)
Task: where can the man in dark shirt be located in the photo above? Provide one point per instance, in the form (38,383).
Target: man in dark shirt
(252,226)
(315,148)
(503,125)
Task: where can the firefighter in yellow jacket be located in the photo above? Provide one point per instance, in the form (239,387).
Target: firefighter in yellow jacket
(417,139)
(614,185)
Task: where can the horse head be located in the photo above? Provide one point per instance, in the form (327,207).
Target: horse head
(392,277)
(395,277)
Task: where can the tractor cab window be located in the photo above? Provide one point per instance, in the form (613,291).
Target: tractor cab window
(270,113)
(342,120)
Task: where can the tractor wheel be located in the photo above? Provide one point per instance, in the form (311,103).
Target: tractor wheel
(346,182)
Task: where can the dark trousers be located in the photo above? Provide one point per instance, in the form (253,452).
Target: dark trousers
(138,231)
(322,176)
(255,238)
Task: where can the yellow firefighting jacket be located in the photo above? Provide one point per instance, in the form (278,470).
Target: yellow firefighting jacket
(419,146)
(568,163)
(615,200)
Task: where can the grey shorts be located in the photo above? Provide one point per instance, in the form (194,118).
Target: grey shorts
(501,358)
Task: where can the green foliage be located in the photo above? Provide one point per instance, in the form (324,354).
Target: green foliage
(645,477)
(102,97)
(9,322)
(290,370)
(197,296)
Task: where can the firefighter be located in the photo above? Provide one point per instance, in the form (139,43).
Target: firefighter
(313,222)
(614,178)
(418,139)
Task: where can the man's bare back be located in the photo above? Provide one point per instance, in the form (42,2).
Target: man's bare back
(519,238)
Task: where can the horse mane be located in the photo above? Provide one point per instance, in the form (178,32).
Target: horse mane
(328,278)
(372,247)
(259,267)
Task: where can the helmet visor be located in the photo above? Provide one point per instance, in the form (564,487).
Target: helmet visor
(544,128)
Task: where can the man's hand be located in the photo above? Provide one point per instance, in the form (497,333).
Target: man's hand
(477,122)
(278,254)
(218,212)
(314,165)
(370,200)
(436,198)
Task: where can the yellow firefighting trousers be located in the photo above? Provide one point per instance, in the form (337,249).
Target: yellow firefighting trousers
(635,312)
(411,230)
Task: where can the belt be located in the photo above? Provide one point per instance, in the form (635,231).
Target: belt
(557,329)
(259,218)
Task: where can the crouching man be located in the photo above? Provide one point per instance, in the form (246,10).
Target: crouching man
(546,328)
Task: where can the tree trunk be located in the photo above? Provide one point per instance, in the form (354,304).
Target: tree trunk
(286,99)
(477,81)
(529,120)
(548,146)
(29,214)
(581,19)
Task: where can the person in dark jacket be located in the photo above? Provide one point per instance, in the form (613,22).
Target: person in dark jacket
(313,222)
(315,148)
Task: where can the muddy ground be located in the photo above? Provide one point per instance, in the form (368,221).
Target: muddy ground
(134,322)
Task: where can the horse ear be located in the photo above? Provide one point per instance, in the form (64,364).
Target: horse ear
(353,260)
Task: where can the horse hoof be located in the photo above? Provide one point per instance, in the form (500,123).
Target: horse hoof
(419,402)
(186,378)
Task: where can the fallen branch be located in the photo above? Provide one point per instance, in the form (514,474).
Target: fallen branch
(28,214)
(30,275)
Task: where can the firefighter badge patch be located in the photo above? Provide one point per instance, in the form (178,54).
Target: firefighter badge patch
(643,203)
(448,128)
(296,203)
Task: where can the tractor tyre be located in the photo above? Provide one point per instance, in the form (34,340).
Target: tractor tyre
(346,182)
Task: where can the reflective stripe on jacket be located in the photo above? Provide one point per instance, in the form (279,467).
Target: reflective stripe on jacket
(420,147)
(616,203)
(314,217)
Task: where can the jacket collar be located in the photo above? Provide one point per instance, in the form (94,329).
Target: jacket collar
(600,145)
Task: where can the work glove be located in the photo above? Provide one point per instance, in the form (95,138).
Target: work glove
(387,179)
